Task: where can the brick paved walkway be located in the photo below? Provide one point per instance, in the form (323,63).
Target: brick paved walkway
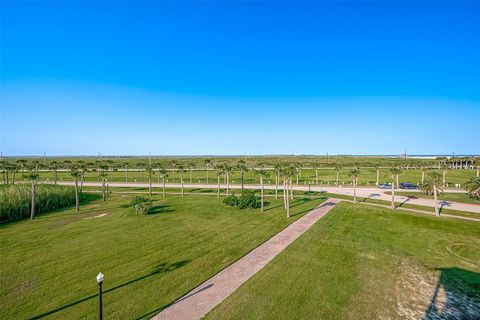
(212,292)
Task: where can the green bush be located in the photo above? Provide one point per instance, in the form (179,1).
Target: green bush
(248,200)
(141,204)
(231,200)
(15,199)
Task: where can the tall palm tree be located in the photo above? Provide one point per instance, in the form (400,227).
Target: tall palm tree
(354,173)
(316,165)
(141,165)
(262,173)
(394,172)
(242,168)
(33,178)
(227,170)
(287,173)
(76,174)
(423,168)
(377,168)
(191,166)
(278,171)
(207,163)
(220,172)
(126,164)
(433,186)
(181,171)
(164,174)
(103,175)
(174,164)
(338,167)
(472,186)
(149,172)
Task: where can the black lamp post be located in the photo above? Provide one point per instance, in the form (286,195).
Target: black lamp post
(100,281)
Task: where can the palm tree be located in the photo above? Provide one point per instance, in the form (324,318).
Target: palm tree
(444,175)
(207,163)
(174,164)
(33,178)
(423,168)
(316,165)
(472,186)
(377,168)
(181,171)
(262,173)
(159,167)
(338,167)
(141,165)
(125,164)
(82,166)
(394,172)
(278,171)
(163,173)
(433,186)
(22,163)
(227,169)
(287,172)
(54,167)
(298,170)
(242,168)
(149,175)
(191,166)
(103,175)
(354,173)
(76,174)
(220,172)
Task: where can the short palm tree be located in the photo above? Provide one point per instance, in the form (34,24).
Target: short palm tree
(354,173)
(149,172)
(76,174)
(316,165)
(227,170)
(191,166)
(278,171)
(103,175)
(262,173)
(33,178)
(126,164)
(433,186)
(472,186)
(220,172)
(242,168)
(163,173)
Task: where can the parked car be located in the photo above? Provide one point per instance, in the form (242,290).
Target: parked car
(407,185)
(385,185)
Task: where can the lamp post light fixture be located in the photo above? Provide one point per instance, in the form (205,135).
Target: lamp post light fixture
(100,281)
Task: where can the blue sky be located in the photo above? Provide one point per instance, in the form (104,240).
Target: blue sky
(239,78)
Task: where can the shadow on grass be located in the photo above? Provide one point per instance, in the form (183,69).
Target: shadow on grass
(456,296)
(160,209)
(160,268)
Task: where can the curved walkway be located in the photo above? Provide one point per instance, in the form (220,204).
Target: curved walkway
(212,292)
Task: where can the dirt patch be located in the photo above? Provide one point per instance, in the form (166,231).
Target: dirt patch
(97,216)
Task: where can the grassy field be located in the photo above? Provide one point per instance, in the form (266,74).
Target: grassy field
(326,176)
(49,264)
(371,262)
(460,197)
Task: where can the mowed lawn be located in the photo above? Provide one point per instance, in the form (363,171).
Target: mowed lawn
(48,265)
(368,263)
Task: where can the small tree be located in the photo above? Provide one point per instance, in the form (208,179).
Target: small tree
(33,178)
(433,186)
(354,173)
(141,204)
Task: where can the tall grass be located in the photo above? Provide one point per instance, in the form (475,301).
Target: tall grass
(15,200)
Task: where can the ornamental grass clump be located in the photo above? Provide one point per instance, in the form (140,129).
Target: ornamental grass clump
(16,200)
(142,205)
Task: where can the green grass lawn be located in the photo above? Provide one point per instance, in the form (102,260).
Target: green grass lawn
(369,263)
(48,265)
(460,197)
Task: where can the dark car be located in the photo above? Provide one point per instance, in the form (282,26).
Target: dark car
(407,185)
(385,186)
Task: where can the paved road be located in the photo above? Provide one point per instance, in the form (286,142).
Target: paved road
(201,300)
(373,193)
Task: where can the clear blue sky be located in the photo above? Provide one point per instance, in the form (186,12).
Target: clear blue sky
(239,78)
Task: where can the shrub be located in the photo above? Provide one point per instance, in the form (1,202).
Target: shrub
(15,199)
(141,204)
(231,200)
(248,200)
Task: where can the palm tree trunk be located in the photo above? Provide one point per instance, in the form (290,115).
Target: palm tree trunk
(277,178)
(261,194)
(437,213)
(354,190)
(285,194)
(141,172)
(378,176)
(164,194)
(158,176)
(393,195)
(207,174)
(241,178)
(337,177)
(228,185)
(13,177)
(190,176)
(218,187)
(478,172)
(444,178)
(423,177)
(288,201)
(149,185)
(291,188)
(55,175)
(81,182)
(173,175)
(397,179)
(32,208)
(126,174)
(103,190)
(181,182)
(316,176)
(77,205)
